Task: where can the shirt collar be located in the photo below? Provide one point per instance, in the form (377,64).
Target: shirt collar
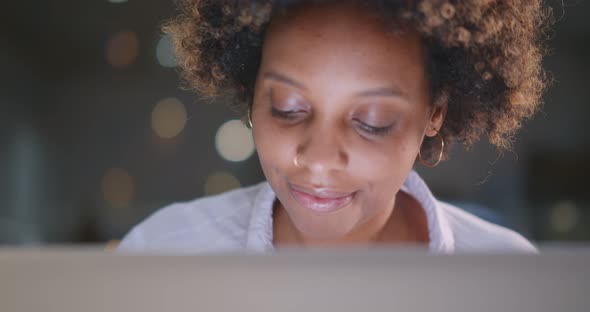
(439,230)
(260,231)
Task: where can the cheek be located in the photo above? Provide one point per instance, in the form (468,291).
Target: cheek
(383,171)
(274,147)
(390,161)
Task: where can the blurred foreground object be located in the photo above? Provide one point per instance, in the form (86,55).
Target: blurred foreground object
(327,280)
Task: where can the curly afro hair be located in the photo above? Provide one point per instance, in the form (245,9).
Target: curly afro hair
(483,56)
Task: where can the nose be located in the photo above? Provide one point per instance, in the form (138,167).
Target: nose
(321,151)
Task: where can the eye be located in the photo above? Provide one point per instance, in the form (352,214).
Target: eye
(286,105)
(277,113)
(372,130)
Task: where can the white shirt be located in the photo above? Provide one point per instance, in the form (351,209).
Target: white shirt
(242,220)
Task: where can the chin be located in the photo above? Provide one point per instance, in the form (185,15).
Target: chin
(322,227)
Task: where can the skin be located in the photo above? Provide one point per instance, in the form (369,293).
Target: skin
(333,72)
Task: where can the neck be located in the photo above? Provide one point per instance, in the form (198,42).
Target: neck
(405,222)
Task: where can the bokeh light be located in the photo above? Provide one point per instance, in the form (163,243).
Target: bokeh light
(169,118)
(122,49)
(564,216)
(220,182)
(234,141)
(118,187)
(165,52)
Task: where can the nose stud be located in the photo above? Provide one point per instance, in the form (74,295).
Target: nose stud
(296,161)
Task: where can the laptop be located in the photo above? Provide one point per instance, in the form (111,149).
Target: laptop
(342,280)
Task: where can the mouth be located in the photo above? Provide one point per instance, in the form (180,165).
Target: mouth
(322,200)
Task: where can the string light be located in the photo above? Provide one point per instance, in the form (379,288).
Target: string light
(564,216)
(169,118)
(233,141)
(118,187)
(165,52)
(122,49)
(220,182)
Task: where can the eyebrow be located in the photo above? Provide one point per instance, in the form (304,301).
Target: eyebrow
(382,91)
(284,79)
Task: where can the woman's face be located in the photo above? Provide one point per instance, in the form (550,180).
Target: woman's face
(340,109)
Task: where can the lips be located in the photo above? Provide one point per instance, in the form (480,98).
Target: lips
(322,200)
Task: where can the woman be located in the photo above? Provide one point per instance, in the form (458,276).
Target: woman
(343,98)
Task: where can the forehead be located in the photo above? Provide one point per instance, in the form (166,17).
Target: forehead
(341,40)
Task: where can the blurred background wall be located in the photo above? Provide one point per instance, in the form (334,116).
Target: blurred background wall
(95,133)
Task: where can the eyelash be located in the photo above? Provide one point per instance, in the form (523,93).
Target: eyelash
(377,131)
(288,115)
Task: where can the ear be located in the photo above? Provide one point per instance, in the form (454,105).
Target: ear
(437,116)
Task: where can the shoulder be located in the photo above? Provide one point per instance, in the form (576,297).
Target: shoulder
(473,234)
(215,222)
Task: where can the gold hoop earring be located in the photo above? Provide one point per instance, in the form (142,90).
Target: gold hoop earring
(249,122)
(440,155)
